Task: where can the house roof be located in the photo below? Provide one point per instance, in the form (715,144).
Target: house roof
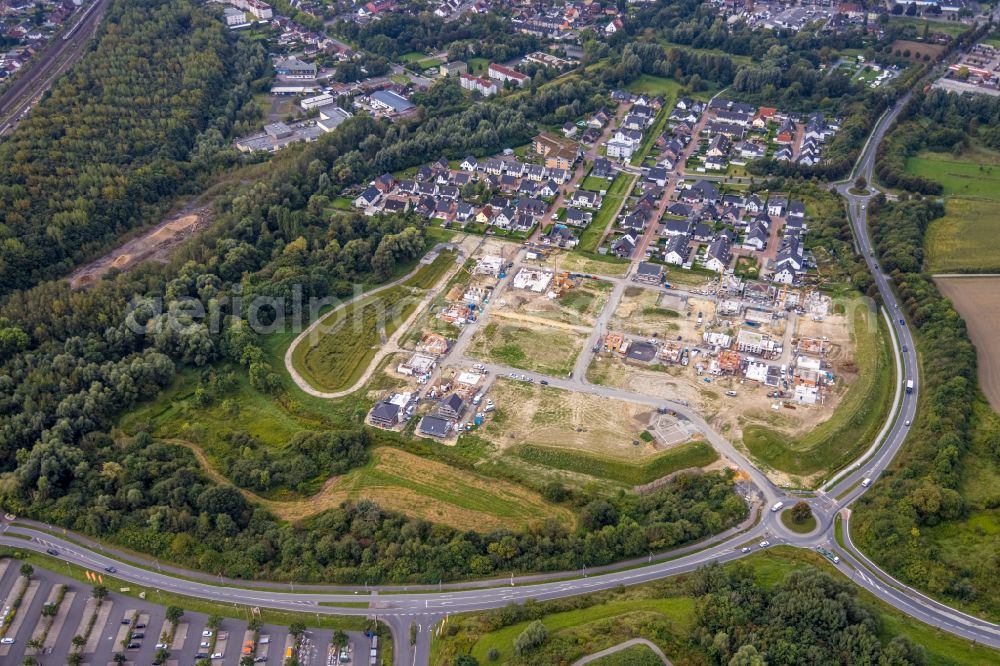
(646,268)
(434,425)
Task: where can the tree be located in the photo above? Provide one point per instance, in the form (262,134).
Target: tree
(861,183)
(119,658)
(297,629)
(74,659)
(27,570)
(214,621)
(465,660)
(801,512)
(493,654)
(747,655)
(162,654)
(339,638)
(174,614)
(533,636)
(49,610)
(79,641)
(99,592)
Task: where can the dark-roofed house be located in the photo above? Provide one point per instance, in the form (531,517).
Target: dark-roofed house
(367,198)
(624,246)
(677,250)
(577,217)
(676,227)
(435,426)
(451,407)
(603,168)
(648,273)
(384,415)
(657,175)
(717,257)
(702,191)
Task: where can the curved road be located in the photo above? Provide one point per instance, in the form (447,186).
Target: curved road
(424,608)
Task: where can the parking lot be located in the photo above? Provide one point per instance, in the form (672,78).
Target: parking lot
(147,622)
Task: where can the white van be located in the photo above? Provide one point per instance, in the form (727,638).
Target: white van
(777,507)
(867,482)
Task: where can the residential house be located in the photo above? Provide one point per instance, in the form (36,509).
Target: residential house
(504,74)
(718,255)
(586,199)
(577,217)
(776,206)
(648,273)
(367,198)
(435,426)
(677,249)
(603,168)
(451,407)
(657,175)
(624,247)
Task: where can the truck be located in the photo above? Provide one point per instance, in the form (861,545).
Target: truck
(909,386)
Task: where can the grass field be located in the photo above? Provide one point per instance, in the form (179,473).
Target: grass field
(977,300)
(349,339)
(668,89)
(804,527)
(618,190)
(854,424)
(663,613)
(550,351)
(594,184)
(632,473)
(973,175)
(963,239)
(952,28)
(478,65)
(342,348)
(637,655)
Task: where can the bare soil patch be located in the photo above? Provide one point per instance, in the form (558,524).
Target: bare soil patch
(154,245)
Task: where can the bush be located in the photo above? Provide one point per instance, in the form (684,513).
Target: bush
(533,636)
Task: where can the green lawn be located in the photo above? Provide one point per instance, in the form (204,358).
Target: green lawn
(594,184)
(691,454)
(617,191)
(676,612)
(412,57)
(966,176)
(804,527)
(654,85)
(856,421)
(637,655)
(964,238)
(478,65)
(952,28)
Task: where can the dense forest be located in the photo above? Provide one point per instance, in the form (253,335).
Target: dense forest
(121,134)
(808,618)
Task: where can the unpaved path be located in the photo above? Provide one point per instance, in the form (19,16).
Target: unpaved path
(390,346)
(624,646)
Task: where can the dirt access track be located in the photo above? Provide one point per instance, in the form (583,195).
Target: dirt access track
(155,244)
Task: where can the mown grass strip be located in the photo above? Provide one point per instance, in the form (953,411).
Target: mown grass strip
(692,454)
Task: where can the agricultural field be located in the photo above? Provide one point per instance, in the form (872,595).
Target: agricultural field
(950,28)
(977,299)
(531,347)
(641,313)
(803,452)
(964,238)
(663,612)
(974,174)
